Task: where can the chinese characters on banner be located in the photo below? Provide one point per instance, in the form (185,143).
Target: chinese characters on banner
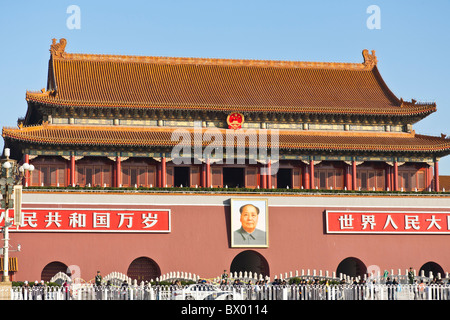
(93,220)
(387,222)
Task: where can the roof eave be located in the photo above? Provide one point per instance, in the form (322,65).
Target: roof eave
(422,111)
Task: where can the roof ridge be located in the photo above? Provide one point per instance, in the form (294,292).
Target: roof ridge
(217,61)
(58,52)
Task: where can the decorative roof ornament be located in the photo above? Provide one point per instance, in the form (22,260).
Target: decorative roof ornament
(370,60)
(58,49)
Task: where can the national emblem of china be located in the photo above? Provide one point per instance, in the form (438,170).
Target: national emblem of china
(235,120)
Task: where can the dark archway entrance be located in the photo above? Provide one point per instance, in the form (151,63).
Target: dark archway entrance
(234,177)
(352,267)
(284,178)
(181,178)
(432,267)
(52,269)
(143,269)
(250,261)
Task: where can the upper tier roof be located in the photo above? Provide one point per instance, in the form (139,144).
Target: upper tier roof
(220,84)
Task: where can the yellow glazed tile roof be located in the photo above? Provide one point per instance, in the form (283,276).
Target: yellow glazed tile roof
(220,84)
(77,135)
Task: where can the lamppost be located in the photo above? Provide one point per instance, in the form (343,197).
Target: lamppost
(11,190)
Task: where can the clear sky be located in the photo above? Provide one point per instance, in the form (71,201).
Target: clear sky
(411,40)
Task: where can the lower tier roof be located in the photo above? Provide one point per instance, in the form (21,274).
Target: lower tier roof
(147,137)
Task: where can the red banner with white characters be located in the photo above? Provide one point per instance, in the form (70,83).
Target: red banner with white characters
(388,222)
(91,220)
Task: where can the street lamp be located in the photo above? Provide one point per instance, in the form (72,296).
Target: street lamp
(11,190)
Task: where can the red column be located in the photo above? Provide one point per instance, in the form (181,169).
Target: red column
(436,175)
(163,172)
(72,170)
(27,173)
(208,173)
(118,172)
(263,178)
(311,173)
(204,175)
(395,176)
(388,177)
(269,175)
(158,177)
(306,178)
(348,177)
(391,176)
(429,178)
(354,185)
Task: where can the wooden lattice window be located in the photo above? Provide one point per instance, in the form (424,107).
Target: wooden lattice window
(49,172)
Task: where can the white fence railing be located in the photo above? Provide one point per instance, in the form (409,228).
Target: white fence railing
(401,276)
(240,292)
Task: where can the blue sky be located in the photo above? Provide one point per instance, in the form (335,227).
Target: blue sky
(412,44)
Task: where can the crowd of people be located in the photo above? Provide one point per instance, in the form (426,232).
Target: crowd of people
(35,291)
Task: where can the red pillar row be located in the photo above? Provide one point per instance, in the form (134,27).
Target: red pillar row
(265,177)
(392,181)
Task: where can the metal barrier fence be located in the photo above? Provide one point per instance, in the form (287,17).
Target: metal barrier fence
(241,292)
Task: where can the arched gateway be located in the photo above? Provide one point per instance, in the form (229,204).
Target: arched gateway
(143,269)
(52,269)
(352,267)
(432,267)
(250,261)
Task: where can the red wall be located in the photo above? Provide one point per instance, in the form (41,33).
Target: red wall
(199,242)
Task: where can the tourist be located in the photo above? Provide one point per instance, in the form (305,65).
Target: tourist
(389,285)
(411,276)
